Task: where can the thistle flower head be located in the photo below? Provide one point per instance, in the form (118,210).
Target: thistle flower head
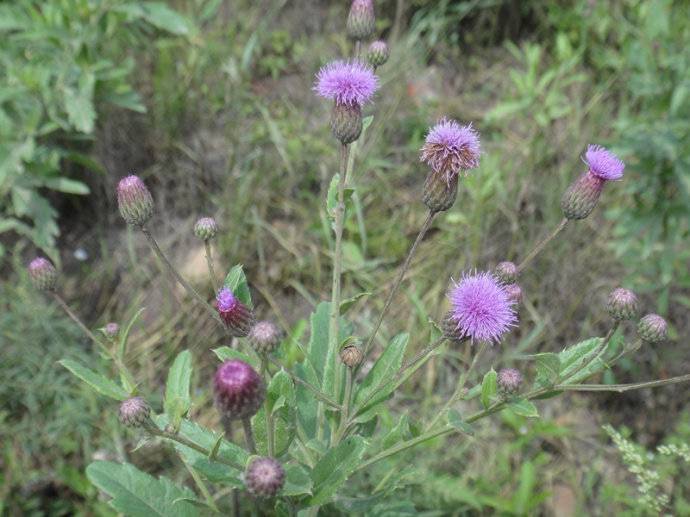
(265,337)
(234,313)
(134,412)
(206,228)
(43,274)
(622,304)
(346,82)
(378,53)
(506,272)
(351,356)
(514,292)
(603,163)
(111,330)
(652,329)
(360,20)
(134,201)
(264,477)
(238,390)
(481,309)
(450,148)
(509,380)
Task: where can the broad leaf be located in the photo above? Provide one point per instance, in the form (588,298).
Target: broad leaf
(297,481)
(548,368)
(524,408)
(137,494)
(177,396)
(575,357)
(346,305)
(456,421)
(489,387)
(334,468)
(101,384)
(237,283)
(225,353)
(163,17)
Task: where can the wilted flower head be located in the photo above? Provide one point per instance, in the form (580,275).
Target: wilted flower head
(264,477)
(43,274)
(239,390)
(346,82)
(481,308)
(450,148)
(234,313)
(351,356)
(603,163)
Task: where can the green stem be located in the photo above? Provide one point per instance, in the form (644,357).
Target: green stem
(249,435)
(401,274)
(211,269)
(620,388)
(173,272)
(267,408)
(541,245)
(234,494)
(318,393)
(347,401)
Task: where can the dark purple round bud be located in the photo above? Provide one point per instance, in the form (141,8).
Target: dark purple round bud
(111,330)
(134,412)
(506,272)
(652,329)
(239,391)
(440,191)
(264,477)
(582,196)
(206,228)
(377,53)
(43,274)
(236,315)
(514,293)
(509,380)
(265,337)
(360,20)
(351,356)
(134,201)
(346,122)
(622,304)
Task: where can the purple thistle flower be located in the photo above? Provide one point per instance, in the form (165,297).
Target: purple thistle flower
(234,313)
(481,309)
(264,476)
(603,163)
(346,82)
(239,390)
(43,274)
(450,148)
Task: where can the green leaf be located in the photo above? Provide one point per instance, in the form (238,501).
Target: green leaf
(380,377)
(335,467)
(576,356)
(237,283)
(318,339)
(124,334)
(101,384)
(66,185)
(177,397)
(346,305)
(79,103)
(456,421)
(137,494)
(397,434)
(524,408)
(297,481)
(548,368)
(489,387)
(163,17)
(225,353)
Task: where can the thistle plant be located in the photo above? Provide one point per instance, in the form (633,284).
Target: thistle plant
(309,424)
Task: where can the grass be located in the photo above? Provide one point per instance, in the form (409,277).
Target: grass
(234,132)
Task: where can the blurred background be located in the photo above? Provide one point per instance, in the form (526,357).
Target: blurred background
(210,102)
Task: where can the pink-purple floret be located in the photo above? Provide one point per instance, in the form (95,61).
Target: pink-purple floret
(448,141)
(226,300)
(481,307)
(346,82)
(603,163)
(39,263)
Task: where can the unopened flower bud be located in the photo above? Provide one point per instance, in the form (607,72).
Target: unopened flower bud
(652,329)
(439,192)
(506,272)
(264,477)
(378,53)
(43,274)
(346,122)
(134,201)
(134,412)
(351,356)
(265,337)
(622,304)
(509,380)
(111,330)
(450,328)
(514,293)
(234,313)
(360,20)
(238,390)
(206,228)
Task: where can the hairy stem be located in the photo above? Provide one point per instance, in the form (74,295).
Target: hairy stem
(267,408)
(401,274)
(211,269)
(249,435)
(541,245)
(347,401)
(173,272)
(620,388)
(234,494)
